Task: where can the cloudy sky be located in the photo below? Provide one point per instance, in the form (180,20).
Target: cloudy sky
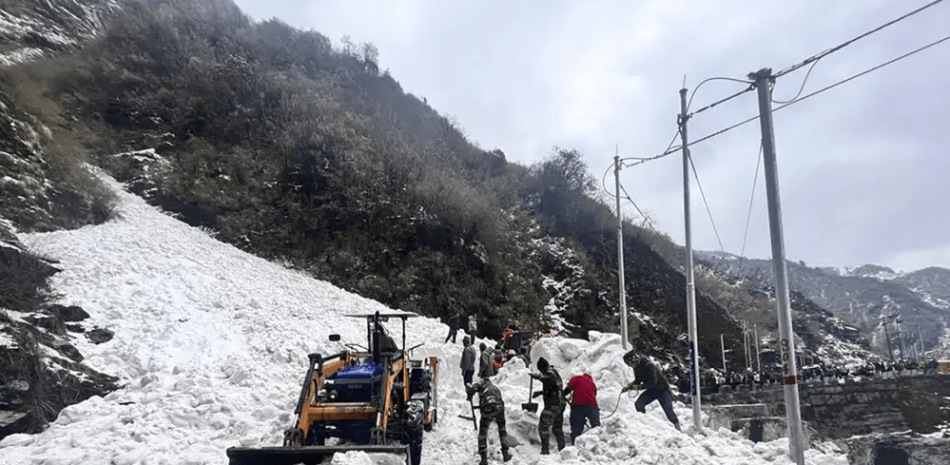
(861,166)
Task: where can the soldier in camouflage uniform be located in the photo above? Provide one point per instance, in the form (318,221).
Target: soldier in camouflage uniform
(552,417)
(492,408)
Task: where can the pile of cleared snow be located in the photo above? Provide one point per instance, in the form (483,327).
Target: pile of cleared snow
(211,345)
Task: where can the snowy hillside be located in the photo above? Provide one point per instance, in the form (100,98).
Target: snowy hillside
(28,29)
(210,345)
(862,295)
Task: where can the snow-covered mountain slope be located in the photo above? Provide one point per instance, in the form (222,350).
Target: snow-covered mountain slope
(31,28)
(861,296)
(210,347)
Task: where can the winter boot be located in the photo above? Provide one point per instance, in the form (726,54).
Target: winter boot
(544,449)
(506,455)
(560,444)
(484,458)
(677,426)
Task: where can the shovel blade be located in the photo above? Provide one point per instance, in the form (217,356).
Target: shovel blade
(530,407)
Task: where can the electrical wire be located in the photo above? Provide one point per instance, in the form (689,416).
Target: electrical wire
(645,218)
(800,89)
(862,73)
(603,181)
(703,195)
(748,219)
(825,53)
(689,103)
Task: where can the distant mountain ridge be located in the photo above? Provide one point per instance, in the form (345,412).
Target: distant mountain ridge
(864,296)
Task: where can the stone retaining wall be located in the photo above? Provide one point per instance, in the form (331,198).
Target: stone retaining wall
(862,406)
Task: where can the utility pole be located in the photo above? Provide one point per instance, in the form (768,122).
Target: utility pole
(763,79)
(887,337)
(745,345)
(690,285)
(622,289)
(758,359)
(723,345)
(900,339)
(920,338)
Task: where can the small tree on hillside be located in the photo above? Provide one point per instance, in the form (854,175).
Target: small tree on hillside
(566,170)
(371,58)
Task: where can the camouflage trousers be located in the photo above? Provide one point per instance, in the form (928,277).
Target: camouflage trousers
(552,418)
(492,413)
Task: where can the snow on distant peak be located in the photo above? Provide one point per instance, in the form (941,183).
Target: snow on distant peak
(880,273)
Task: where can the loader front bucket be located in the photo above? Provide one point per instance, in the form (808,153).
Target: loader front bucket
(305,454)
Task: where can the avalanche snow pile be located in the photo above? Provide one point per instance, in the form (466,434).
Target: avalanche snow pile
(210,346)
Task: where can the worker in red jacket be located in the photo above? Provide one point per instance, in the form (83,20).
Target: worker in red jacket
(583,403)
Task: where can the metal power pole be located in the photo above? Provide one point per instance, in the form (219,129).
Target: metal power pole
(745,345)
(758,359)
(690,284)
(723,345)
(623,290)
(900,339)
(887,337)
(763,78)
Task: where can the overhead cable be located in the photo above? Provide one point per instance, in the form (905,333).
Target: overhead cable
(825,53)
(862,73)
(645,218)
(703,194)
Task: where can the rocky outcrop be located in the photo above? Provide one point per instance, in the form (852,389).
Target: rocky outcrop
(40,369)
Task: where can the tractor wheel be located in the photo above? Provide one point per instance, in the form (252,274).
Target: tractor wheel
(419,381)
(415,412)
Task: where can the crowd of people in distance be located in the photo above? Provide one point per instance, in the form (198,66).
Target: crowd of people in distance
(711,380)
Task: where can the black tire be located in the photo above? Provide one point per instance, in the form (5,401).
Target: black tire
(415,413)
(420,381)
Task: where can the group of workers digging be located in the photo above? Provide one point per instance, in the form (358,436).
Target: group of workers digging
(581,390)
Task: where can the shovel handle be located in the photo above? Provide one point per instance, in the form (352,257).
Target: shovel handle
(474,421)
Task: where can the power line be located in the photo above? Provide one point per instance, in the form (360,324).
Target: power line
(703,194)
(670,149)
(707,107)
(800,89)
(645,218)
(862,73)
(825,53)
(717,78)
(748,219)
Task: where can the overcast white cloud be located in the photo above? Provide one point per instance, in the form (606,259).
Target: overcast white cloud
(861,166)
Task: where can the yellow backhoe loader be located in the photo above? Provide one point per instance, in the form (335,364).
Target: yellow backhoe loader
(372,399)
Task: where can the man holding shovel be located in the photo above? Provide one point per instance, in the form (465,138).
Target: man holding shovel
(552,417)
(530,406)
(492,407)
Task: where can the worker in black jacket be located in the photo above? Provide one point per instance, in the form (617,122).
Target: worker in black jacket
(552,417)
(486,365)
(492,408)
(467,364)
(655,386)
